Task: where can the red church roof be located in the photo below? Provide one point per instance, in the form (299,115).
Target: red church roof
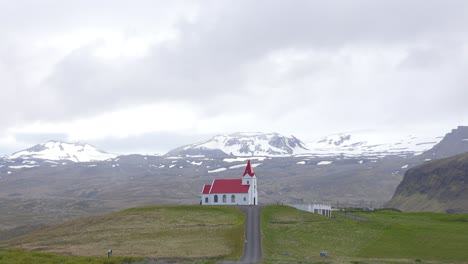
(228,186)
(206,189)
(249,170)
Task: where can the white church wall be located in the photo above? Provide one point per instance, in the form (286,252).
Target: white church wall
(204,199)
(239,199)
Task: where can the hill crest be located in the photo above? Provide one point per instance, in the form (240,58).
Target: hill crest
(57,150)
(243,144)
(438,185)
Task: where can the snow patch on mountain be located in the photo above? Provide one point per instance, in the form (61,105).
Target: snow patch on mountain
(23,166)
(237,166)
(372,143)
(174,158)
(217,170)
(238,159)
(56,150)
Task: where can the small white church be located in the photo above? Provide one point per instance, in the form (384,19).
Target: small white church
(241,191)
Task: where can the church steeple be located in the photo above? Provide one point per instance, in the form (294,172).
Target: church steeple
(249,178)
(249,170)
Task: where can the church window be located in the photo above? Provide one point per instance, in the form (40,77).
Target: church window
(248,182)
(206,200)
(233,198)
(224,198)
(245,199)
(216,198)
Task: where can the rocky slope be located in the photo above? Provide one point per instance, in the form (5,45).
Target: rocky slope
(438,185)
(455,142)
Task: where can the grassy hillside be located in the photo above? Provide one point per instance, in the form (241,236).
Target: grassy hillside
(12,256)
(292,236)
(179,232)
(437,186)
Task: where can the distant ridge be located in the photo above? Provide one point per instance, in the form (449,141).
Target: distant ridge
(57,150)
(244,144)
(372,143)
(454,143)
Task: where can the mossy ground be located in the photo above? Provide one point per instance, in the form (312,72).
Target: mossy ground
(182,233)
(10,256)
(208,234)
(292,236)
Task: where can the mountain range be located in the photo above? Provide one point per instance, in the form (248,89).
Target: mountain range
(55,150)
(244,145)
(55,181)
(351,167)
(255,145)
(371,143)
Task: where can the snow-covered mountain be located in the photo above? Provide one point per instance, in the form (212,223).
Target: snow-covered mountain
(372,143)
(56,150)
(245,144)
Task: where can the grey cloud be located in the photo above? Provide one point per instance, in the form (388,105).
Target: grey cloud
(33,139)
(211,62)
(27,140)
(208,60)
(54,16)
(258,25)
(423,59)
(150,143)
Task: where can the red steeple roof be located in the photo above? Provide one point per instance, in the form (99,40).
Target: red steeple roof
(249,170)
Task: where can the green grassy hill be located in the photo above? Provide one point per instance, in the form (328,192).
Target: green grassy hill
(292,236)
(181,233)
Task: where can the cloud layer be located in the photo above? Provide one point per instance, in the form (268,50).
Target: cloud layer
(121,72)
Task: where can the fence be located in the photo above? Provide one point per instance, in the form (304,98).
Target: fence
(322,209)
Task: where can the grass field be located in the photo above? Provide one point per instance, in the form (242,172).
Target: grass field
(11,256)
(196,234)
(178,233)
(292,236)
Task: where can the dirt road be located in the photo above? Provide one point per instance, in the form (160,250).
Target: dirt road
(253,241)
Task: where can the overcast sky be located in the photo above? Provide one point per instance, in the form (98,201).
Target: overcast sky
(149,76)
